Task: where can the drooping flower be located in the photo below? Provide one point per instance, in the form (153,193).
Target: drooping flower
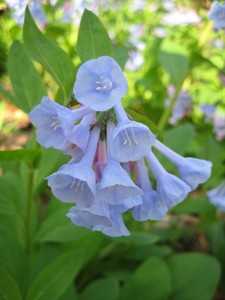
(150,208)
(217,15)
(101,216)
(76,182)
(192,170)
(115,186)
(217,196)
(131,140)
(170,189)
(100,83)
(55,122)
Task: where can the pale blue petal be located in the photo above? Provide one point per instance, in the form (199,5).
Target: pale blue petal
(217,196)
(99,217)
(131,141)
(171,190)
(195,171)
(116,185)
(73,183)
(150,209)
(100,83)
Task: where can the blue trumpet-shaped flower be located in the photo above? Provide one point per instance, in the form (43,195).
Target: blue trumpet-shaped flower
(131,140)
(170,189)
(54,122)
(217,196)
(192,170)
(75,182)
(100,83)
(99,217)
(217,15)
(115,185)
(151,207)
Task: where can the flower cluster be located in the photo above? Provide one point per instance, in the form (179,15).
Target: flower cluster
(108,172)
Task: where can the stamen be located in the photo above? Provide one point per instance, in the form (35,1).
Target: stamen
(56,124)
(103,84)
(73,183)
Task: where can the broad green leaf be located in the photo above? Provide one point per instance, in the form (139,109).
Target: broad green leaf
(56,278)
(141,253)
(26,155)
(194,276)
(175,60)
(101,289)
(12,257)
(51,159)
(70,293)
(150,281)
(174,138)
(9,289)
(58,227)
(56,62)
(93,40)
(26,81)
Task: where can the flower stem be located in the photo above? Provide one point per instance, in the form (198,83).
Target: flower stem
(167,112)
(29,208)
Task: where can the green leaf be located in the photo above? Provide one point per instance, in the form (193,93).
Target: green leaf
(51,159)
(56,62)
(175,60)
(26,155)
(56,278)
(12,257)
(93,40)
(194,276)
(9,289)
(26,81)
(101,289)
(150,281)
(58,228)
(174,138)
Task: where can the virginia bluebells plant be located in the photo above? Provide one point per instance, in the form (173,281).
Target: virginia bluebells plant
(111,155)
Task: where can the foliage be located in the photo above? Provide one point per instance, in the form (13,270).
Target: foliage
(42,255)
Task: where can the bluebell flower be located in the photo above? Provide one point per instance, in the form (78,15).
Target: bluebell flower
(151,208)
(54,122)
(101,216)
(192,170)
(131,140)
(100,83)
(76,182)
(170,189)
(217,15)
(115,186)
(81,132)
(217,196)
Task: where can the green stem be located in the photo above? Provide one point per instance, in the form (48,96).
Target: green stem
(29,208)
(167,112)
